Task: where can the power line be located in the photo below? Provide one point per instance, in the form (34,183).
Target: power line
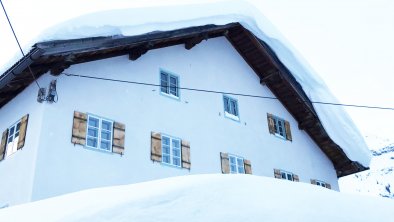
(17,41)
(222,92)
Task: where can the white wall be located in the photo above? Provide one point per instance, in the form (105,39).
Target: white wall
(17,170)
(196,117)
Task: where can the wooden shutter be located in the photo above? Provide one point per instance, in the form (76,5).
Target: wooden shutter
(225,162)
(296,178)
(328,186)
(79,128)
(3,144)
(271,123)
(248,166)
(277,174)
(155,147)
(186,154)
(288,131)
(118,138)
(22,131)
(313,182)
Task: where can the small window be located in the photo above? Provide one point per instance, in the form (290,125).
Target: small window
(321,183)
(287,176)
(236,164)
(279,127)
(13,138)
(169,84)
(99,134)
(231,108)
(171,151)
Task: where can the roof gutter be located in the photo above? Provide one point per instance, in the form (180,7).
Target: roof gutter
(20,66)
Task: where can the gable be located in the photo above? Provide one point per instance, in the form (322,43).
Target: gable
(55,56)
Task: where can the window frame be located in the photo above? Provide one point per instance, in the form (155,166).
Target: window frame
(287,173)
(168,87)
(171,149)
(236,164)
(14,142)
(230,115)
(100,130)
(278,120)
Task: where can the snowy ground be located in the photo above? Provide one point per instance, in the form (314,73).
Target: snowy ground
(206,198)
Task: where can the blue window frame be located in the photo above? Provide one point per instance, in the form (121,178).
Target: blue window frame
(169,84)
(230,108)
(236,164)
(171,150)
(99,133)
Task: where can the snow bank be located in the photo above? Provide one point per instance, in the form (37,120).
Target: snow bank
(129,22)
(206,198)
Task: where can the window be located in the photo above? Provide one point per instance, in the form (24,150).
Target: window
(171,150)
(286,175)
(320,183)
(13,138)
(231,108)
(169,84)
(236,164)
(279,127)
(99,134)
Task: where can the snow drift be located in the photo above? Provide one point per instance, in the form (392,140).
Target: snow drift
(206,198)
(129,22)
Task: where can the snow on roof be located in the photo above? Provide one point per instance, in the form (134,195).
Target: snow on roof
(130,22)
(214,197)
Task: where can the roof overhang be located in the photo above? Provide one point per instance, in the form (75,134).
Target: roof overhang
(55,56)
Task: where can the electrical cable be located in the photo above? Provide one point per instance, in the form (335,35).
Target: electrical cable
(222,92)
(17,41)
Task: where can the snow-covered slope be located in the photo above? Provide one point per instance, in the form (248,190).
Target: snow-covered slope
(379,180)
(206,198)
(129,22)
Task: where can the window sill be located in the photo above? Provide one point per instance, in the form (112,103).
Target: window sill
(231,116)
(171,165)
(97,149)
(280,136)
(170,96)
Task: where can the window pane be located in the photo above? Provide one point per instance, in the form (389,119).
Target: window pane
(10,139)
(241,169)
(93,132)
(176,161)
(16,135)
(233,169)
(11,131)
(105,145)
(18,126)
(93,122)
(175,143)
(173,90)
(92,142)
(234,107)
(226,105)
(106,135)
(106,125)
(166,159)
(283,175)
(164,82)
(289,177)
(232,160)
(165,140)
(166,150)
(176,152)
(240,162)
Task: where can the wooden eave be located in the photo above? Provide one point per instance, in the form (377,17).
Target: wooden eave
(55,56)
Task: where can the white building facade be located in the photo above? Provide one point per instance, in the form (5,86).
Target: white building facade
(216,131)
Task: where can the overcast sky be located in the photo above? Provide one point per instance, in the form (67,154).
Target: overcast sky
(349,43)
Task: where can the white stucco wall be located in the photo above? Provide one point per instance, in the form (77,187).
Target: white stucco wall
(17,170)
(197,117)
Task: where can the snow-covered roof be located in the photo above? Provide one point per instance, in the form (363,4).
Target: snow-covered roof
(132,22)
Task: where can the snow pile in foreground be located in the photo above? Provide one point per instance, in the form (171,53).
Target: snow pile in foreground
(206,198)
(129,22)
(378,180)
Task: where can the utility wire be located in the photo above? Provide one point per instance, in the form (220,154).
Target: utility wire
(222,92)
(17,41)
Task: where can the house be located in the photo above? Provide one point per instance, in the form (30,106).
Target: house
(111,110)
